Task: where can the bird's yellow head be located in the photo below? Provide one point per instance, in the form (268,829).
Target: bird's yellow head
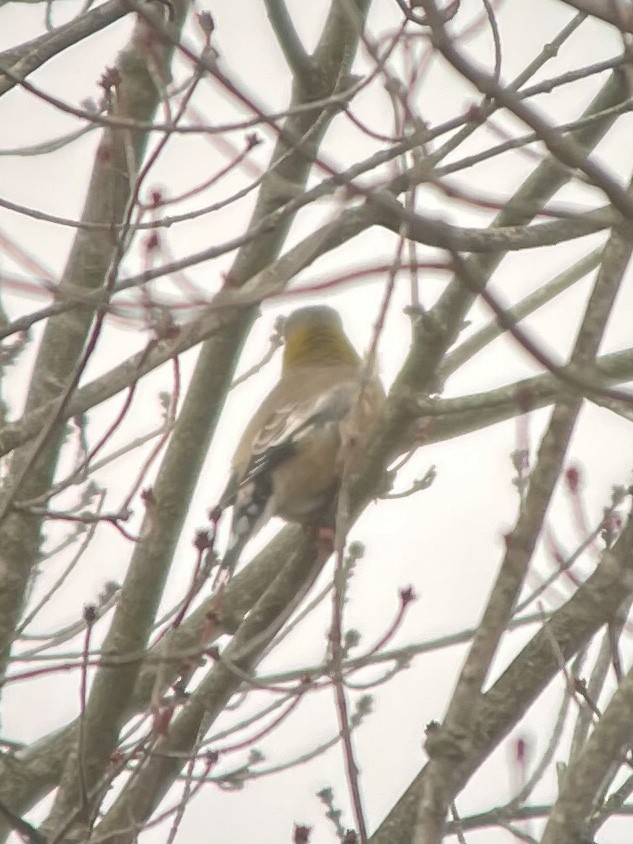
(314,336)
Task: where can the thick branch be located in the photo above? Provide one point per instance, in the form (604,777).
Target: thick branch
(26,58)
(110,696)
(298,59)
(62,347)
(458,724)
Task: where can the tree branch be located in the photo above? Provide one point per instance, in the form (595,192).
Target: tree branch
(614,13)
(26,58)
(298,59)
(571,627)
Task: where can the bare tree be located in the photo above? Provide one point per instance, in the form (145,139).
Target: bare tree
(400,117)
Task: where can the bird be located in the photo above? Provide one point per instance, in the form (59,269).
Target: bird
(289,460)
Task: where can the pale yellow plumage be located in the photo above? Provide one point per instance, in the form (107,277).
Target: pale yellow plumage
(289,459)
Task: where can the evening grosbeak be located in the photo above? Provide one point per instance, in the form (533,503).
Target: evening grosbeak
(289,460)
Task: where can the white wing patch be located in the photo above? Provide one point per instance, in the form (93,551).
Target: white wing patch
(294,421)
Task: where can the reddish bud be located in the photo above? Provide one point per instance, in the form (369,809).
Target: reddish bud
(90,614)
(252,140)
(206,23)
(407,595)
(148,498)
(110,78)
(573,478)
(301,834)
(211,757)
(203,540)
(152,241)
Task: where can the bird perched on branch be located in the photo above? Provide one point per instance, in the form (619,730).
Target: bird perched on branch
(291,455)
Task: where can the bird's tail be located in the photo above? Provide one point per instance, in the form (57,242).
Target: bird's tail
(252,509)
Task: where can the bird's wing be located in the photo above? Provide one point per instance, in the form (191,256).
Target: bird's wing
(283,430)
(277,441)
